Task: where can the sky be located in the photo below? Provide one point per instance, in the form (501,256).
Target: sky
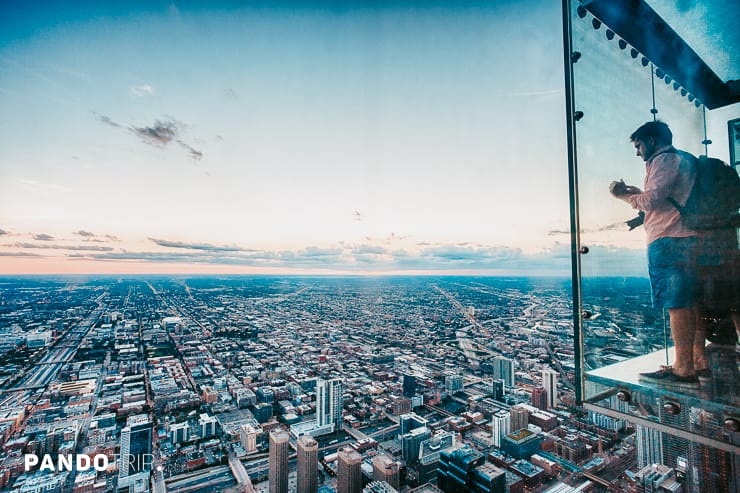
(324,137)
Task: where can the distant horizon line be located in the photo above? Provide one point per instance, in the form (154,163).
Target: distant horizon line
(346,275)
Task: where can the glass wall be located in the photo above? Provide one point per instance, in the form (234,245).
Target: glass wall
(623,338)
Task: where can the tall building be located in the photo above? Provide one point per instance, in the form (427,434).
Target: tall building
(649,446)
(180,432)
(410,421)
(135,460)
(386,469)
(519,417)
(411,443)
(248,434)
(539,398)
(550,382)
(349,474)
(207,425)
(308,457)
(409,385)
(656,478)
(498,389)
(503,369)
(429,453)
(279,450)
(454,383)
(329,403)
(455,472)
(500,426)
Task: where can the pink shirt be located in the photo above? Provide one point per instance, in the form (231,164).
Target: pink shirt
(667,175)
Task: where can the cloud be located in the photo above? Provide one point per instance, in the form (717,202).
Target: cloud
(19,254)
(106,120)
(3,232)
(89,236)
(142,90)
(160,134)
(194,153)
(620,226)
(195,246)
(43,237)
(53,246)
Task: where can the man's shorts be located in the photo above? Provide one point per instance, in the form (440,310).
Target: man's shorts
(672,269)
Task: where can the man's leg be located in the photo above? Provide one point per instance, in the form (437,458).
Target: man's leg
(700,353)
(683,330)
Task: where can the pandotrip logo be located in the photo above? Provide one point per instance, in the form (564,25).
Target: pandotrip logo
(82,462)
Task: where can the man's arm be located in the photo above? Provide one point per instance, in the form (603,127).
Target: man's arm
(659,183)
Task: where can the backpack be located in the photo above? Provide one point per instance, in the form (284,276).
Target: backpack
(714,198)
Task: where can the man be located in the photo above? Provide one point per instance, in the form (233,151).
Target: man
(671,249)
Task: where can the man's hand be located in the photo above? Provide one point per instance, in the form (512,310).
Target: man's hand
(621,190)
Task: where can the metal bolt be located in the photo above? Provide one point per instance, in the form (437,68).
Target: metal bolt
(672,408)
(624,396)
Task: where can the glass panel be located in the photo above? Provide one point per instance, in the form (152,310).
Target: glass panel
(615,91)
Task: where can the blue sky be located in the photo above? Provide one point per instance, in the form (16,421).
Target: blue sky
(364,138)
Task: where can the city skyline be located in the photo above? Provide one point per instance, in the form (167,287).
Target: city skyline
(387,139)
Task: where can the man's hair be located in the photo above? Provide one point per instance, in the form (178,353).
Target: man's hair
(656,130)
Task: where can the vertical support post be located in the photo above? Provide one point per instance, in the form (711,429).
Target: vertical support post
(575,241)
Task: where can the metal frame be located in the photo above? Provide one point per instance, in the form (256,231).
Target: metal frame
(575,227)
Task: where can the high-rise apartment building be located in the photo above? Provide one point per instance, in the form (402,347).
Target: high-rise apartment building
(308,457)
(539,398)
(503,368)
(550,382)
(349,474)
(329,403)
(135,460)
(519,417)
(386,469)
(454,383)
(279,450)
(248,434)
(500,426)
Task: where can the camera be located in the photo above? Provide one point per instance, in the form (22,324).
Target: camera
(636,221)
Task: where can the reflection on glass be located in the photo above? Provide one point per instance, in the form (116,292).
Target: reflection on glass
(660,280)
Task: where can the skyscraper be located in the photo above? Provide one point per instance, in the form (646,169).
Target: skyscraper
(649,446)
(409,385)
(503,368)
(498,389)
(519,418)
(410,421)
(539,398)
(411,443)
(349,474)
(386,469)
(308,456)
(279,450)
(500,426)
(136,449)
(329,403)
(550,382)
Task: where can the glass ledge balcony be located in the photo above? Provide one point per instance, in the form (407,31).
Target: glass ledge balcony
(705,415)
